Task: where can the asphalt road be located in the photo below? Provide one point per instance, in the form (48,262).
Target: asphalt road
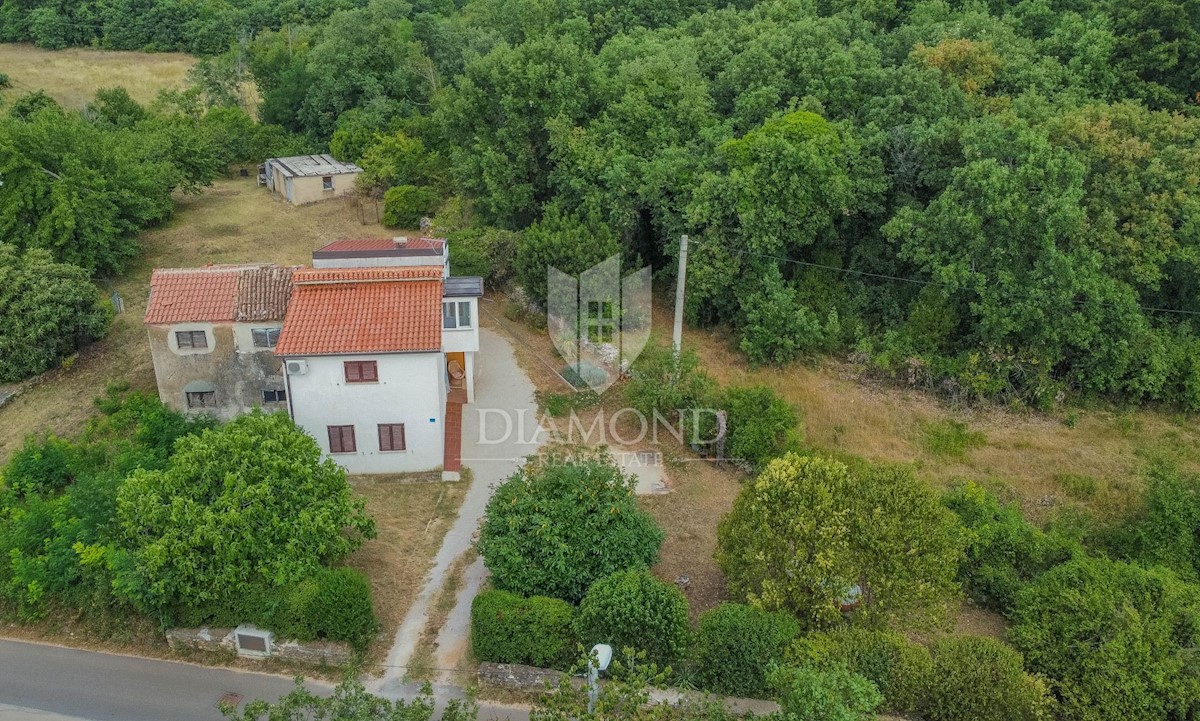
(40,682)
(99,686)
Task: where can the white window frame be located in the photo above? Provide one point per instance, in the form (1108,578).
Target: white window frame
(457,310)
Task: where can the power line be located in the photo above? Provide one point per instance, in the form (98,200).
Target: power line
(918,281)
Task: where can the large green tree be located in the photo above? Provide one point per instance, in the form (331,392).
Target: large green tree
(808,530)
(250,502)
(48,310)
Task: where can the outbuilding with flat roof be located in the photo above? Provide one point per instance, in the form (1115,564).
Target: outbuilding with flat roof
(308,178)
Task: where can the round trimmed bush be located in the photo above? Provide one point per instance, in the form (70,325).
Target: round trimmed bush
(976,678)
(899,668)
(403,205)
(634,609)
(736,643)
(538,631)
(558,524)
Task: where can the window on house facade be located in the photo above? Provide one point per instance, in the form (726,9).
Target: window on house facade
(391,437)
(456,314)
(341,439)
(327,182)
(201,399)
(274,396)
(361,372)
(191,339)
(265,337)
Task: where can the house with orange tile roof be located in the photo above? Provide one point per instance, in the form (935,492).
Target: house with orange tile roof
(374,358)
(212,337)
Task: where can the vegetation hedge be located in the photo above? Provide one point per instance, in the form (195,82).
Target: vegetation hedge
(635,609)
(981,679)
(899,668)
(405,205)
(537,631)
(736,644)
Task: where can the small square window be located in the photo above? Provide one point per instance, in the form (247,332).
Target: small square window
(391,437)
(201,399)
(191,339)
(274,396)
(327,182)
(593,309)
(456,314)
(265,337)
(361,372)
(606,310)
(341,439)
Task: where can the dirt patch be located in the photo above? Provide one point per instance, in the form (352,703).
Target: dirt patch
(412,519)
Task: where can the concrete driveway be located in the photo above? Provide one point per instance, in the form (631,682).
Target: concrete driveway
(499,430)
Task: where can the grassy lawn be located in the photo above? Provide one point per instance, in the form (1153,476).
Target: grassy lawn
(1087,457)
(412,519)
(73,76)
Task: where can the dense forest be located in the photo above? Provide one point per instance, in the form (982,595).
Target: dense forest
(993,200)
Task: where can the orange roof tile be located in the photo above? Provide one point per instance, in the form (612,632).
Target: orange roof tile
(219,293)
(363,310)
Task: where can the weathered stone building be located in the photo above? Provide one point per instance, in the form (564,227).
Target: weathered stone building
(213,332)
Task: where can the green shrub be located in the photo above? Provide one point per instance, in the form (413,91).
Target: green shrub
(404,205)
(1115,641)
(340,607)
(1004,551)
(634,609)
(981,679)
(486,252)
(829,694)
(5,81)
(735,645)
(899,668)
(1165,529)
(560,523)
(39,466)
(662,384)
(761,426)
(950,438)
(538,631)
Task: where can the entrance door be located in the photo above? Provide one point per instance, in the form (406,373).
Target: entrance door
(456,369)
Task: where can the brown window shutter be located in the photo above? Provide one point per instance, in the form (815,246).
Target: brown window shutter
(353,372)
(398,429)
(385,437)
(348,444)
(370,372)
(335,439)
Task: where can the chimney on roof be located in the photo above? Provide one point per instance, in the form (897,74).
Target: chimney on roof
(400,241)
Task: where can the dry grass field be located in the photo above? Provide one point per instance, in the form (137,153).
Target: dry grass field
(1091,458)
(73,76)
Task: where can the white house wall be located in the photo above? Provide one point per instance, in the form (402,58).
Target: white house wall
(411,390)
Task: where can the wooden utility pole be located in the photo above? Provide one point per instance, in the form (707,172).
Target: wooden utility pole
(679,283)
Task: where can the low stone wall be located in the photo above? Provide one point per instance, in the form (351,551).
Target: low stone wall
(220,640)
(517,677)
(212,640)
(317,653)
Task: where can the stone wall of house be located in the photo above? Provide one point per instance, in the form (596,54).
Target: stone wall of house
(238,375)
(518,677)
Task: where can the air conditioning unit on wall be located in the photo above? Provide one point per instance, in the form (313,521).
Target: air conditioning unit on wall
(297,367)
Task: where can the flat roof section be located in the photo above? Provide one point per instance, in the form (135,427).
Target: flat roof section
(462,286)
(307,166)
